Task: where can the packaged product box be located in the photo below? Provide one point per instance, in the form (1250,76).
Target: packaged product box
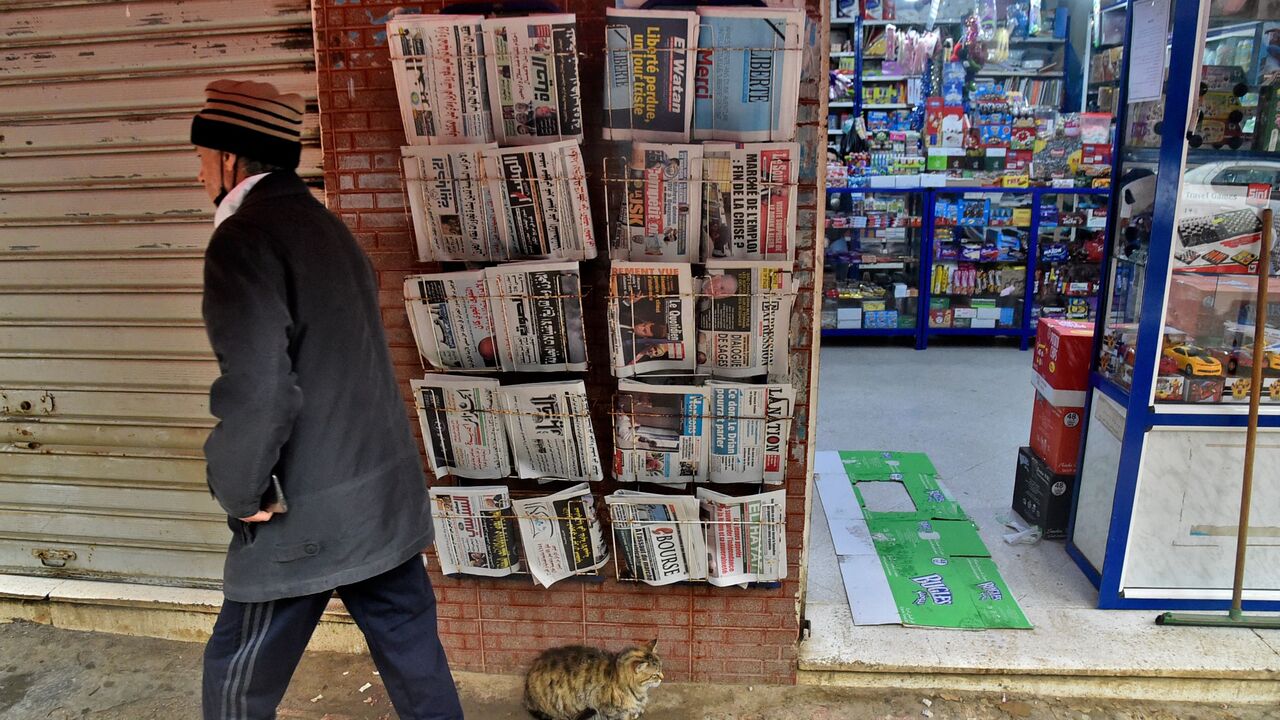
(1266,133)
(1236,390)
(1204,389)
(1055,434)
(1061,360)
(1040,496)
(1171,388)
(940,318)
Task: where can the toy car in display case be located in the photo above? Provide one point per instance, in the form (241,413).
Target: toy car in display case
(1193,361)
(1233,359)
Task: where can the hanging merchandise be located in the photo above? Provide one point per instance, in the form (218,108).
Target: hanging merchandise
(986,12)
(999,51)
(1033,17)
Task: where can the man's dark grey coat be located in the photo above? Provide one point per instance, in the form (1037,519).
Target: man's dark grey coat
(307,392)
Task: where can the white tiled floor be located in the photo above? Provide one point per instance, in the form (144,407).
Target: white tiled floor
(969,408)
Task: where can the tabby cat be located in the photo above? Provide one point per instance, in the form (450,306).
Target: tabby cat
(582,683)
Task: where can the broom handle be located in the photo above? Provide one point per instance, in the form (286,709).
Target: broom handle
(1255,397)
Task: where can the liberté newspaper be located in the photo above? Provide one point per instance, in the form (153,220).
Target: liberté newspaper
(475,530)
(517,317)
(534,87)
(648,74)
(550,432)
(746,537)
(749,201)
(561,535)
(749,431)
(485,203)
(651,323)
(747,82)
(657,198)
(461,428)
(744,317)
(438,62)
(658,539)
(660,433)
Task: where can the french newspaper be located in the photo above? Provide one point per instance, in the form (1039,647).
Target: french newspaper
(438,62)
(744,318)
(451,320)
(658,539)
(648,72)
(544,211)
(651,323)
(537,316)
(461,428)
(746,537)
(749,201)
(660,433)
(475,530)
(661,205)
(534,86)
(449,199)
(549,430)
(750,431)
(746,87)
(561,535)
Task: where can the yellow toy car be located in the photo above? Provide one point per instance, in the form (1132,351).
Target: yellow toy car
(1193,361)
(1271,358)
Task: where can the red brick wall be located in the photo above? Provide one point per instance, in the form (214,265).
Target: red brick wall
(705,633)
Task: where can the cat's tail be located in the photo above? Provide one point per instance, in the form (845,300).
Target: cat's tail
(587,714)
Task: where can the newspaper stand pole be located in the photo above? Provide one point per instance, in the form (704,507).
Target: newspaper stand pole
(1235,617)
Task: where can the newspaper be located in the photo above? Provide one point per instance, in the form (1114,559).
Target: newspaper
(450,200)
(747,83)
(537,316)
(746,537)
(660,433)
(439,69)
(749,201)
(744,319)
(648,74)
(561,535)
(451,320)
(461,429)
(750,432)
(660,204)
(549,429)
(534,87)
(651,326)
(475,530)
(658,539)
(543,206)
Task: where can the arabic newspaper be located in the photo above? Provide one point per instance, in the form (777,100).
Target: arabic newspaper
(537,316)
(534,88)
(648,71)
(744,319)
(749,201)
(449,198)
(561,535)
(544,211)
(651,324)
(549,429)
(475,530)
(439,70)
(461,429)
(451,320)
(746,537)
(747,83)
(659,209)
(750,432)
(658,539)
(660,433)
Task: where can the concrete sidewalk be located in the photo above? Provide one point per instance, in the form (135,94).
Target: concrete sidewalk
(51,674)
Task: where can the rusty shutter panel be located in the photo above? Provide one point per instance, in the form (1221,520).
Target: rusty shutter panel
(104,363)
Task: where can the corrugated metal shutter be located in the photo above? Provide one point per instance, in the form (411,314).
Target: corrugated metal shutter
(104,364)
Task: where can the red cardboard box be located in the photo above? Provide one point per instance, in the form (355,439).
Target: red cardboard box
(1055,435)
(1061,360)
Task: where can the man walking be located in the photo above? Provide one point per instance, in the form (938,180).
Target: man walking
(312,459)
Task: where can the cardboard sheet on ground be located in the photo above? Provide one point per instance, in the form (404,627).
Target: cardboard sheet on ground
(933,565)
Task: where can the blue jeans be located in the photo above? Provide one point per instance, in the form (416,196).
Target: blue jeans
(255,647)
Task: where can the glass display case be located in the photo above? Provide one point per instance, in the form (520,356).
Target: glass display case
(978,262)
(873,251)
(1156,505)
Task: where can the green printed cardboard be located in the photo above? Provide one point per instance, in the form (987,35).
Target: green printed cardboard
(949,538)
(952,592)
(931,501)
(877,465)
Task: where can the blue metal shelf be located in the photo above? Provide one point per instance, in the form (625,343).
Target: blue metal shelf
(869,332)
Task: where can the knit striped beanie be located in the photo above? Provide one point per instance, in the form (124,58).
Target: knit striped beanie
(252,120)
